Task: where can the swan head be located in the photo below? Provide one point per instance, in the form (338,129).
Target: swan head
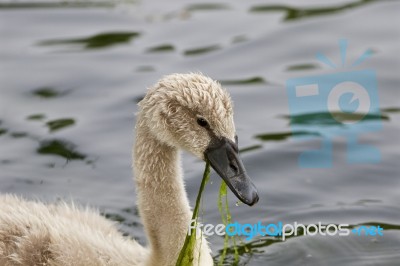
(194,113)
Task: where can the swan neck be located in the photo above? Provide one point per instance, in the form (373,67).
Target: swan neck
(162,199)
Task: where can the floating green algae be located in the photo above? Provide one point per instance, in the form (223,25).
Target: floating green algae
(223,207)
(186,256)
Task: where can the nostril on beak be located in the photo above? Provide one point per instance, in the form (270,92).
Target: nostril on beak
(234,168)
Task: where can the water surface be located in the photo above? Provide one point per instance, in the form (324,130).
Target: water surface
(72,73)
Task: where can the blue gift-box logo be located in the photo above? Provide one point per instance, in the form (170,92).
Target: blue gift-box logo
(344,103)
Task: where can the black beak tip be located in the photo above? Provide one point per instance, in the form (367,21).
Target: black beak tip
(252,197)
(255,199)
(244,189)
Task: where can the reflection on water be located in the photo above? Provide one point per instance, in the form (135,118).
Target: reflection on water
(56,4)
(48,92)
(284,135)
(3,131)
(206,7)
(17,135)
(201,50)
(98,41)
(293,13)
(49,136)
(162,48)
(258,246)
(246,250)
(391,110)
(58,124)
(301,67)
(250,148)
(239,39)
(128,220)
(61,148)
(36,117)
(145,69)
(252,80)
(326,118)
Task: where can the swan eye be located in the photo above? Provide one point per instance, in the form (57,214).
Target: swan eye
(202,122)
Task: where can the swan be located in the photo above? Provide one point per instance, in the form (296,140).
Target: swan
(181,111)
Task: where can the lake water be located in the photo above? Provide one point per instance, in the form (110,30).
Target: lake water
(72,72)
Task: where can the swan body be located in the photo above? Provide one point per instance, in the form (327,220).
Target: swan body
(181,111)
(33,234)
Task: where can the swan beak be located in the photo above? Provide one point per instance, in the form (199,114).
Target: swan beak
(223,155)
